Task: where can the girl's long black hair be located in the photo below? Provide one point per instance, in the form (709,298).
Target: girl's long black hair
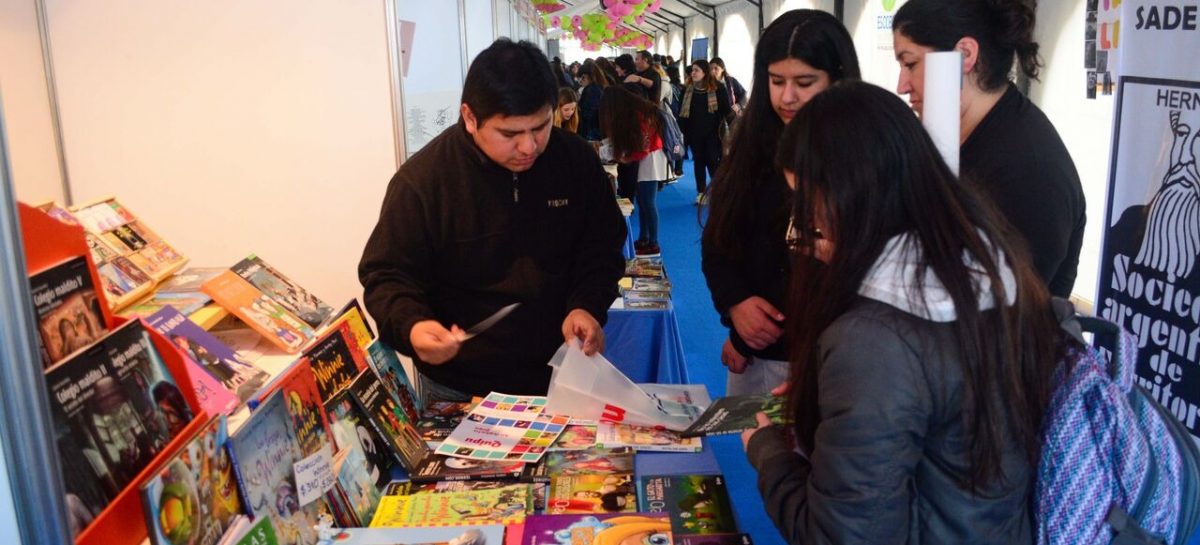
(861,157)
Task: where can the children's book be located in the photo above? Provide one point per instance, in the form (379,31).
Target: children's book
(310,423)
(406,488)
(571,494)
(119,405)
(260,312)
(125,234)
(598,529)
(505,505)
(264,451)
(391,372)
(644,438)
(356,484)
(335,359)
(353,313)
(121,278)
(697,504)
(505,427)
(193,498)
(282,290)
(389,419)
(350,427)
(576,437)
(454,535)
(68,311)
(734,414)
(439,419)
(258,532)
(221,377)
(596,461)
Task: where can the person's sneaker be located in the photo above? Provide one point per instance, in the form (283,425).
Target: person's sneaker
(648,250)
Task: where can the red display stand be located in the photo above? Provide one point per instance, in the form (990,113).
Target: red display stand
(49,242)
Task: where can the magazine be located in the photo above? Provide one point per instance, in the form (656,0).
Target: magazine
(505,427)
(68,311)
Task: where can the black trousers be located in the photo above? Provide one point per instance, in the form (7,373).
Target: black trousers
(706,156)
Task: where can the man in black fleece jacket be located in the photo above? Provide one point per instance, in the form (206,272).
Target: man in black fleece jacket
(501,208)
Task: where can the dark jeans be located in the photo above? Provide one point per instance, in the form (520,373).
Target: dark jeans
(627,183)
(647,212)
(706,156)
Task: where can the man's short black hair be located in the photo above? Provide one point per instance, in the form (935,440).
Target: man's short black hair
(509,78)
(646,55)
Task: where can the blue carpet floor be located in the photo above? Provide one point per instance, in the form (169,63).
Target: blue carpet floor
(679,236)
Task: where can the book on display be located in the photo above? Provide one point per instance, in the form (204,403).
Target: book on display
(67,309)
(350,427)
(735,414)
(391,372)
(336,359)
(504,505)
(589,529)
(263,314)
(461,535)
(283,291)
(696,504)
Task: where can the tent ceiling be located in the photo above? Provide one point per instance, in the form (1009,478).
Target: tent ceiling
(671,10)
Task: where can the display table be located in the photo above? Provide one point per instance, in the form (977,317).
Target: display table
(645,344)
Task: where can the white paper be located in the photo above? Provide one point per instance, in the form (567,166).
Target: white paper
(943,94)
(314,475)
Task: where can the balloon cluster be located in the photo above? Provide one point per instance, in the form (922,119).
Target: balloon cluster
(547,6)
(595,29)
(630,11)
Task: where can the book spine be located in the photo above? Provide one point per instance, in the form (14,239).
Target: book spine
(241,480)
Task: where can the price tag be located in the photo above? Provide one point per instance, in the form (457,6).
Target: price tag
(314,475)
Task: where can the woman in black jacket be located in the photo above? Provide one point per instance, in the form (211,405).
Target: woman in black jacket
(593,82)
(743,254)
(703,110)
(1009,147)
(924,354)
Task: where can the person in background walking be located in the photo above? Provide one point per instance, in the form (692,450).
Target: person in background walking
(737,93)
(704,108)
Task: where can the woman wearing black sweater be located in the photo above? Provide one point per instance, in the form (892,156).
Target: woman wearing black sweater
(704,107)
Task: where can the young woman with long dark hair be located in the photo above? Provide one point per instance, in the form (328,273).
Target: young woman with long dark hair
(924,351)
(704,107)
(1009,147)
(593,81)
(631,124)
(744,257)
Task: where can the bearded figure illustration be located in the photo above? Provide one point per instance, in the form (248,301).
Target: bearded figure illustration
(1171,243)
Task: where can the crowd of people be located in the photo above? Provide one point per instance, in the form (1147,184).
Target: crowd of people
(905,310)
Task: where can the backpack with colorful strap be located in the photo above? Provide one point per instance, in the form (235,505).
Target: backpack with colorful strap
(1116,467)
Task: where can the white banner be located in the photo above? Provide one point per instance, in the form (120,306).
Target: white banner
(1150,265)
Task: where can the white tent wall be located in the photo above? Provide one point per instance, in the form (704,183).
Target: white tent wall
(480,31)
(233,127)
(33,153)
(737,27)
(502,18)
(1085,125)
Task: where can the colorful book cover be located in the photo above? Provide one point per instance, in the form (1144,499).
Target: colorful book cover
(68,311)
(262,532)
(476,535)
(505,505)
(148,385)
(123,232)
(88,485)
(436,467)
(335,359)
(353,313)
(193,498)
(283,291)
(645,439)
(310,423)
(734,414)
(697,504)
(576,437)
(387,416)
(258,311)
(651,284)
(439,419)
(595,461)
(350,427)
(505,427)
(100,250)
(597,529)
(184,304)
(391,372)
(120,277)
(571,494)
(222,378)
(264,451)
(356,483)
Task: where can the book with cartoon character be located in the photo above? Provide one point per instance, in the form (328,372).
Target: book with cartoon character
(697,504)
(263,314)
(282,290)
(504,505)
(221,377)
(571,494)
(598,529)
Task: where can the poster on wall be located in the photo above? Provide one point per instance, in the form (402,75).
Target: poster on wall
(1102,28)
(1150,262)
(881,67)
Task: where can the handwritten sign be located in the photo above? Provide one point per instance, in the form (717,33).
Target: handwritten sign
(314,475)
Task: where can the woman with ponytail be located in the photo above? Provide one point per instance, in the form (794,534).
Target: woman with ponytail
(1009,147)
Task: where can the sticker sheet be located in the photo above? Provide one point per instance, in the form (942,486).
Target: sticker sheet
(505,427)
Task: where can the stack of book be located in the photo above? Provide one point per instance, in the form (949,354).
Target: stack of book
(645,285)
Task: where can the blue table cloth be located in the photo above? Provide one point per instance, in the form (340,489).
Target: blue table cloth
(645,345)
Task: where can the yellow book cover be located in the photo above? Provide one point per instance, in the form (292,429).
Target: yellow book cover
(503,505)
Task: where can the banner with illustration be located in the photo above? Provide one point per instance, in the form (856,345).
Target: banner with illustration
(1150,267)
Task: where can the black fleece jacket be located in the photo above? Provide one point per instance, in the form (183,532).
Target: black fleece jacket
(459,237)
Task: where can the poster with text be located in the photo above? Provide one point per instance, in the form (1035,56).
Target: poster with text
(1150,264)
